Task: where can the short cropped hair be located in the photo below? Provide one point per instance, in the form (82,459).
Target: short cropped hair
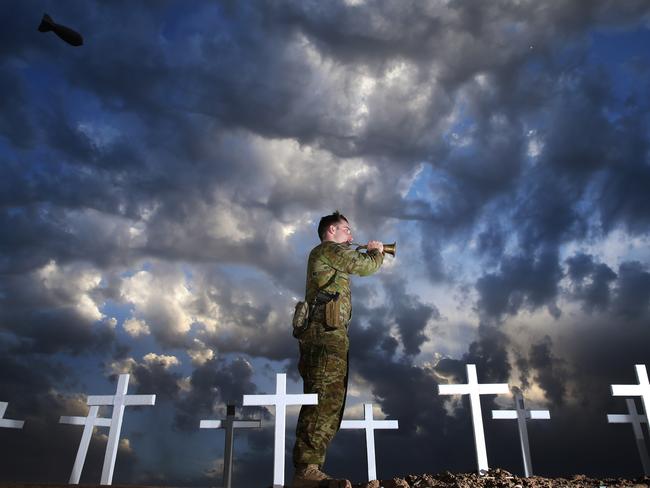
(328,220)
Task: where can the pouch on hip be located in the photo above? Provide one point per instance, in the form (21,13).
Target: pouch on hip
(333,313)
(300,318)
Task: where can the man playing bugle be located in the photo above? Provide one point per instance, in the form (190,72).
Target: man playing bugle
(322,332)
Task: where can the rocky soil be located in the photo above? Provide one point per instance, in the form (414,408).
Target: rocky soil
(499,478)
(495,478)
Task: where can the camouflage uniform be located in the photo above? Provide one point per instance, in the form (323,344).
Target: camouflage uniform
(323,361)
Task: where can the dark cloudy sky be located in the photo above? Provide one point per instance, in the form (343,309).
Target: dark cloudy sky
(160,188)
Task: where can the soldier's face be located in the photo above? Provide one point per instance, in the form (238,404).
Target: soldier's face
(343,232)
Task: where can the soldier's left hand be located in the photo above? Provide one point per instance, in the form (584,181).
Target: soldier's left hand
(376,245)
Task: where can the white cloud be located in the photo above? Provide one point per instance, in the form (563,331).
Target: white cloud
(122,366)
(613,249)
(73,284)
(165,361)
(226,220)
(200,353)
(136,328)
(161,300)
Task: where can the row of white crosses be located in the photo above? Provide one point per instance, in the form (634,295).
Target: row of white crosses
(8,423)
(641,389)
(118,401)
(230,424)
(474,389)
(521,415)
(281,400)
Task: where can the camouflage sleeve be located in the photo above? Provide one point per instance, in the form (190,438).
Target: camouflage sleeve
(349,261)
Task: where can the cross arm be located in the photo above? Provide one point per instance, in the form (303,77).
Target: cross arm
(624,418)
(246,424)
(12,424)
(540,414)
(453,389)
(353,424)
(504,414)
(304,399)
(210,424)
(100,399)
(134,400)
(493,388)
(82,421)
(259,400)
(626,390)
(387,424)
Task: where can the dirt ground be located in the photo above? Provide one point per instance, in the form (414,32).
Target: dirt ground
(499,478)
(495,478)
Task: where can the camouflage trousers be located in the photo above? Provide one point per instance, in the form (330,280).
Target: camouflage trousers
(323,366)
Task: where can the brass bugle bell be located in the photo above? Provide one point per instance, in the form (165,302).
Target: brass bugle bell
(388,248)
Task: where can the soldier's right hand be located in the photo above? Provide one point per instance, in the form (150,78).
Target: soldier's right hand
(376,245)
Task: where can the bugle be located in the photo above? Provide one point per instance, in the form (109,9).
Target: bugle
(388,248)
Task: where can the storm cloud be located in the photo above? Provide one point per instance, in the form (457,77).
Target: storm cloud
(160,189)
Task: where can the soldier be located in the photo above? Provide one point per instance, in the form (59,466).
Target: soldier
(324,344)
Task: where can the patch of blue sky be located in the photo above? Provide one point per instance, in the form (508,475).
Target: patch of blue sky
(463,122)
(419,189)
(142,345)
(265,371)
(242,272)
(88,377)
(429,194)
(305,238)
(625,56)
(8,339)
(161,448)
(15,211)
(188,274)
(82,109)
(120,311)
(43,79)
(449,339)
(127,273)
(9,152)
(47,80)
(177,20)
(534,66)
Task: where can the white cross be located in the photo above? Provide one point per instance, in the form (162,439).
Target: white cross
(635,419)
(280,400)
(521,415)
(89,423)
(474,389)
(369,424)
(230,424)
(119,401)
(642,389)
(8,423)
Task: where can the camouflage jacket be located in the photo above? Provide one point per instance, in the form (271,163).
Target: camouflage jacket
(330,257)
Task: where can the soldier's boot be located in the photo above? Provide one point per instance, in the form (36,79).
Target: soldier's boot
(310,476)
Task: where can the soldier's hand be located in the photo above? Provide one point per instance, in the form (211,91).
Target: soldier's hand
(375,245)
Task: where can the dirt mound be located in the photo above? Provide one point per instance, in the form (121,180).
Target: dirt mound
(499,478)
